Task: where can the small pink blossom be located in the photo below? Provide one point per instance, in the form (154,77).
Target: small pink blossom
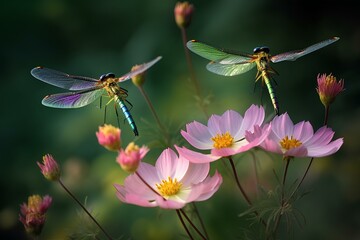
(171,183)
(183,12)
(224,135)
(328,88)
(50,169)
(297,140)
(32,214)
(109,137)
(130,158)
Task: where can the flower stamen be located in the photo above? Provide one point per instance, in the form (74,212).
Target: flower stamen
(223,140)
(289,143)
(168,187)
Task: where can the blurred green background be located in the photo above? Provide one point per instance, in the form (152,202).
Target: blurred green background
(95,37)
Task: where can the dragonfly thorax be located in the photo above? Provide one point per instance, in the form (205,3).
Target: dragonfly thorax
(261,49)
(107,75)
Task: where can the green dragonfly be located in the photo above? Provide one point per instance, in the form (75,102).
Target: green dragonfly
(230,63)
(85,90)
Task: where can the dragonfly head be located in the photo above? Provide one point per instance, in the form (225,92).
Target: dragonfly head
(107,75)
(261,49)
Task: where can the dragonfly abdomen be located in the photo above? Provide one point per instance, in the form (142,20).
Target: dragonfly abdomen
(127,114)
(271,91)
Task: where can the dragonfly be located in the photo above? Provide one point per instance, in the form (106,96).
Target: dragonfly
(231,63)
(85,90)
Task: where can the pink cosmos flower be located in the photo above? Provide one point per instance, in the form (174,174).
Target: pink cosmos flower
(183,12)
(130,158)
(298,140)
(224,135)
(171,183)
(32,215)
(109,137)
(50,169)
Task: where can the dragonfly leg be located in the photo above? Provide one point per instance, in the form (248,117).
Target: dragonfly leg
(117,115)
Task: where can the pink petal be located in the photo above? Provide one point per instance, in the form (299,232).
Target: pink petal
(196,157)
(197,135)
(230,122)
(148,173)
(282,126)
(326,150)
(169,204)
(214,124)
(166,164)
(303,131)
(196,173)
(253,116)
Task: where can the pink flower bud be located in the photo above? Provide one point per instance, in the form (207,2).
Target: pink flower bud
(109,137)
(130,158)
(50,169)
(183,12)
(328,88)
(32,215)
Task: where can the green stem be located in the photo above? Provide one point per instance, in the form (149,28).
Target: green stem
(183,223)
(192,72)
(192,225)
(86,211)
(247,199)
(200,220)
(282,200)
(157,119)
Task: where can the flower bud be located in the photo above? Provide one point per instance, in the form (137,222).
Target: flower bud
(130,158)
(109,137)
(183,12)
(32,214)
(328,88)
(50,169)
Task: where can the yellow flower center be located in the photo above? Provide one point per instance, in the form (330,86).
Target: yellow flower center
(169,187)
(224,140)
(288,143)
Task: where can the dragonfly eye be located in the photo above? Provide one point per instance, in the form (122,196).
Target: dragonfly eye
(107,75)
(262,49)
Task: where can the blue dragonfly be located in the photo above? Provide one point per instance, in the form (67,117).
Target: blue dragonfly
(85,90)
(231,63)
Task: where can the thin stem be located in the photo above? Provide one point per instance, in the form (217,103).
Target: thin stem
(238,182)
(192,72)
(283,202)
(255,172)
(157,119)
(243,191)
(326,117)
(200,220)
(83,207)
(192,224)
(183,223)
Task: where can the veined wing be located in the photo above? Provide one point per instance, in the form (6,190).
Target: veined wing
(229,69)
(63,80)
(217,55)
(293,55)
(72,99)
(141,68)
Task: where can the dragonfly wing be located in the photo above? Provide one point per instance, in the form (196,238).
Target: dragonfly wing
(141,68)
(72,99)
(229,69)
(293,55)
(63,80)
(217,55)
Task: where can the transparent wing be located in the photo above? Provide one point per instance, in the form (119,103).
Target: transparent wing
(217,55)
(63,80)
(141,68)
(229,69)
(293,55)
(72,99)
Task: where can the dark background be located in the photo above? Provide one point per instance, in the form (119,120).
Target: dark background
(92,37)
